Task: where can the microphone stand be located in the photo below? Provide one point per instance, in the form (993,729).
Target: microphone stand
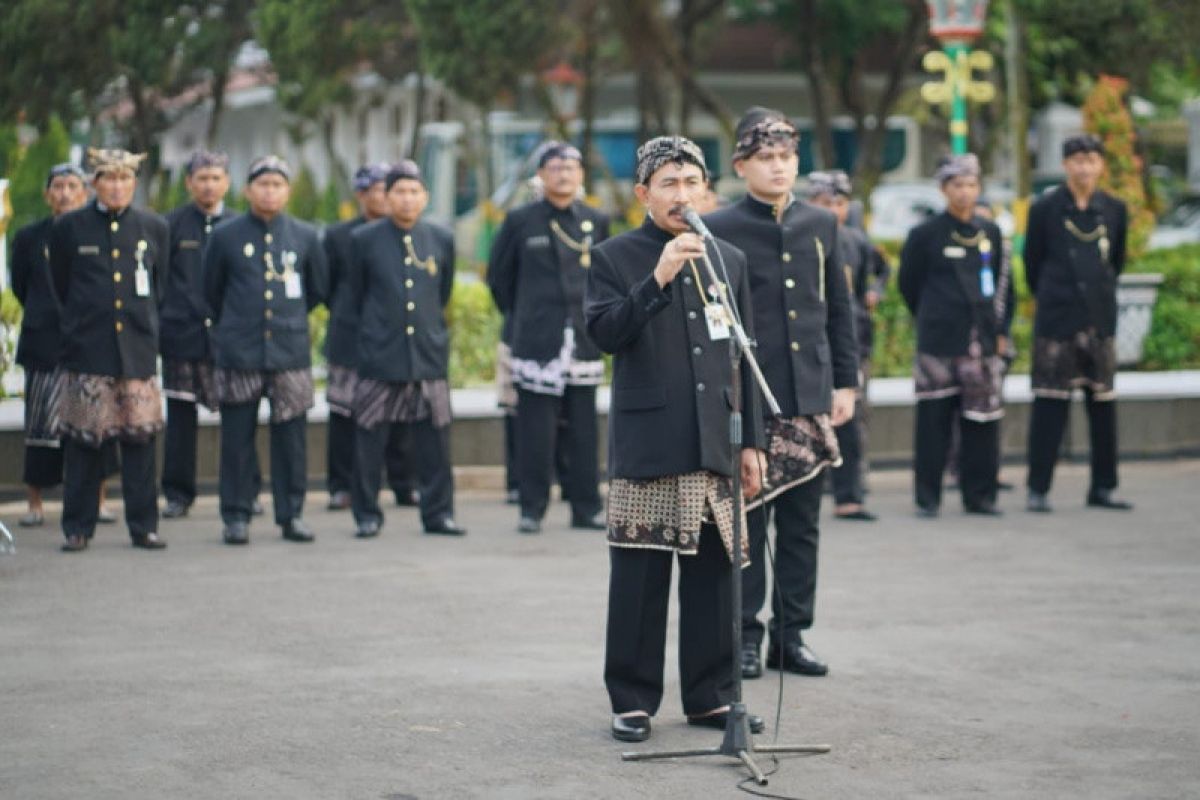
(738,742)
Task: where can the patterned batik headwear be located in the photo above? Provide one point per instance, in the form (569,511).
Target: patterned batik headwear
(114,161)
(556,149)
(203,159)
(828,184)
(405,169)
(1083,143)
(961,166)
(272,163)
(661,150)
(370,174)
(760,127)
(60,170)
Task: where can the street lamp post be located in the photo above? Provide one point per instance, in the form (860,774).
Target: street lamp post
(956,24)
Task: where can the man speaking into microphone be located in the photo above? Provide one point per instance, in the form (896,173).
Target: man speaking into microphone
(806,345)
(650,304)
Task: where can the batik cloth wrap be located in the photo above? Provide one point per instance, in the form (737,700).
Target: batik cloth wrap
(96,408)
(666,513)
(377,402)
(339,389)
(798,448)
(290,391)
(191,381)
(1084,361)
(559,372)
(978,379)
(43,395)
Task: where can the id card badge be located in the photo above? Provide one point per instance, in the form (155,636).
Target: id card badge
(141,282)
(987,282)
(718,325)
(291,285)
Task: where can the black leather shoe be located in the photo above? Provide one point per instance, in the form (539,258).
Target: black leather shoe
(529,525)
(797,658)
(720,720)
(596,522)
(297,530)
(75,544)
(1103,498)
(861,515)
(634,728)
(256,508)
(983,510)
(338,501)
(927,512)
(447,527)
(149,541)
(367,530)
(751,662)
(236,533)
(174,510)
(1038,503)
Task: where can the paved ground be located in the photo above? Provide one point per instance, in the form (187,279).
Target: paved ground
(1028,657)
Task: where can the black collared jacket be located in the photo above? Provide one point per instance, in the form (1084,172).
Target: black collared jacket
(672,384)
(1075,285)
(802,314)
(942,282)
(866,271)
(183,333)
(400,301)
(341,338)
(107,327)
(255,325)
(37,347)
(538,280)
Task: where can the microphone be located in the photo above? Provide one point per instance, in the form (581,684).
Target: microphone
(694,222)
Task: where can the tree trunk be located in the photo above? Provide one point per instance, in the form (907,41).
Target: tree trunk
(818,80)
(219,80)
(414,141)
(1016,90)
(589,31)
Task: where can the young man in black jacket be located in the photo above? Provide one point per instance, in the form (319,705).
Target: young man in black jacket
(650,305)
(183,336)
(538,267)
(805,331)
(1074,252)
(400,284)
(948,270)
(263,272)
(106,260)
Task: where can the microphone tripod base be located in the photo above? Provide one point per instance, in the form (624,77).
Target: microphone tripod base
(738,743)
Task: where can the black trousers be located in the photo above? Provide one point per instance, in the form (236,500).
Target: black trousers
(511,481)
(978,454)
(85,467)
(1048,422)
(537,432)
(639,591)
(797,514)
(179,453)
(43,466)
(340,458)
(848,478)
(239,464)
(431,452)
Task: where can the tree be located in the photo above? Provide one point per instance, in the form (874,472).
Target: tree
(840,45)
(480,49)
(28,175)
(1105,115)
(318,48)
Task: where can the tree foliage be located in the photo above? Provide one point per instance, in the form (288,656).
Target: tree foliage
(28,175)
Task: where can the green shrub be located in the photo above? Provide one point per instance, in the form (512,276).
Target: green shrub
(474,332)
(1174,338)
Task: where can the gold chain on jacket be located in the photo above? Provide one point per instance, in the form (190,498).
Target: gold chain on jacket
(583,248)
(427,264)
(1100,234)
(820,268)
(969,241)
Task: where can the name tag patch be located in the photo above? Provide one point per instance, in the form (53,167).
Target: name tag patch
(189,244)
(537,241)
(954,251)
(89,249)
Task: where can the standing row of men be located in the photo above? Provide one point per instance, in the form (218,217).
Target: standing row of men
(956,280)
(225,300)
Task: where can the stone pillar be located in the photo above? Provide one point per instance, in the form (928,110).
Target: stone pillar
(1053,125)
(1191,110)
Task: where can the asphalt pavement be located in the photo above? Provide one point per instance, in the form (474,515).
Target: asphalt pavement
(1029,656)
